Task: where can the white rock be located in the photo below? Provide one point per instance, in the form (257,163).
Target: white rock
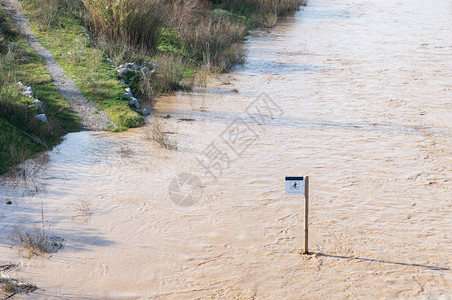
(131,66)
(28,92)
(4,276)
(123,72)
(42,118)
(128,93)
(145,112)
(38,105)
(135,102)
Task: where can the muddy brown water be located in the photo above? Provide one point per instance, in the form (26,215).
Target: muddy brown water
(359,98)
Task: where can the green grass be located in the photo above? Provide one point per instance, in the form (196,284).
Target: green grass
(242,17)
(170,42)
(19,62)
(74,51)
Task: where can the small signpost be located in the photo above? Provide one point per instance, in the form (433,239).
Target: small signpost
(300,186)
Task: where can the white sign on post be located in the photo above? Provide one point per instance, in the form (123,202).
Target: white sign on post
(295,185)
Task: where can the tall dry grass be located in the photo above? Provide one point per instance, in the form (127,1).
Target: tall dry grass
(216,41)
(156,132)
(185,11)
(133,22)
(168,76)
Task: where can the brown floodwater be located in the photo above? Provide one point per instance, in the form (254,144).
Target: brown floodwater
(355,94)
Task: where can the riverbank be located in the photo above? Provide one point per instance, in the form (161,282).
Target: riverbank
(369,122)
(187,43)
(21,134)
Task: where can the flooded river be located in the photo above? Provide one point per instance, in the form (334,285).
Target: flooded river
(355,94)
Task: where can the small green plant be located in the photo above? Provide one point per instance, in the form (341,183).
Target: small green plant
(125,117)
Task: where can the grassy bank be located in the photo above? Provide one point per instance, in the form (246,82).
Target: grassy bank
(180,42)
(183,39)
(21,134)
(58,26)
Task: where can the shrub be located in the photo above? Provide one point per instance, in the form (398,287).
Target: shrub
(185,11)
(168,76)
(118,52)
(156,132)
(216,40)
(31,240)
(84,211)
(11,286)
(146,90)
(133,22)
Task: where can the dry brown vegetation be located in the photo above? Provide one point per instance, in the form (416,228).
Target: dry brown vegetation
(182,36)
(30,241)
(216,41)
(10,286)
(133,22)
(83,211)
(157,133)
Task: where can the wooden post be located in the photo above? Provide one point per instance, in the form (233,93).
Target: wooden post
(306,211)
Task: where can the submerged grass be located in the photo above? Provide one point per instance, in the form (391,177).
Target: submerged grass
(157,133)
(31,241)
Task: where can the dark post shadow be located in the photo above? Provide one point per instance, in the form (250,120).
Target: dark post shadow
(381,261)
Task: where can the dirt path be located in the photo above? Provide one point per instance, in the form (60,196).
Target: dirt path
(90,119)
